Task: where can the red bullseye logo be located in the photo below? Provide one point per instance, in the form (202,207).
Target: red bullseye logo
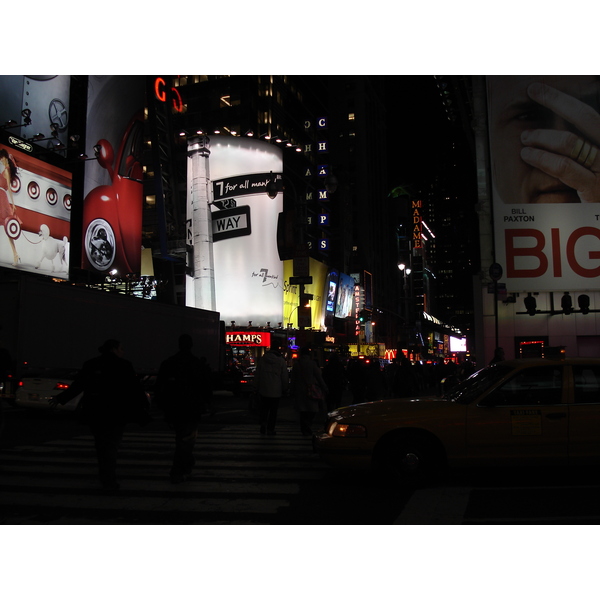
(51,196)
(67,201)
(33,189)
(13,228)
(15,185)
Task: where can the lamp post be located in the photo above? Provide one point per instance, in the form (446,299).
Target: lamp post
(200,232)
(406,271)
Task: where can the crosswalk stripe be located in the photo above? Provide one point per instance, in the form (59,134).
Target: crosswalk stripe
(239,475)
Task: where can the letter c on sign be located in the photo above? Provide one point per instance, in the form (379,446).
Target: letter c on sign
(159,89)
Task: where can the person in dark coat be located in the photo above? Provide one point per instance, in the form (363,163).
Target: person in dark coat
(306,374)
(334,375)
(272,382)
(112,397)
(182,386)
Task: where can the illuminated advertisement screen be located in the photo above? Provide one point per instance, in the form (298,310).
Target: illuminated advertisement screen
(458,344)
(113,201)
(544,136)
(35,209)
(291,295)
(344,307)
(248,273)
(35,104)
(331,291)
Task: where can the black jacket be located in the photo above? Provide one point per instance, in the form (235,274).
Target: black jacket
(182,386)
(111,391)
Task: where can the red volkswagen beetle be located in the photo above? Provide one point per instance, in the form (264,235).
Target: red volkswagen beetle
(112,214)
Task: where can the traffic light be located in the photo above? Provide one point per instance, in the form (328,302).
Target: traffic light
(566,303)
(364,316)
(584,303)
(530,305)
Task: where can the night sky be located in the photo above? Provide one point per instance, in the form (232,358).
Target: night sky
(419,132)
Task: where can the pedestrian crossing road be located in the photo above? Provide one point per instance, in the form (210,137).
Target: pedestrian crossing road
(240,477)
(243,477)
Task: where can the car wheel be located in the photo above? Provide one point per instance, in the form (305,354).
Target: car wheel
(409,459)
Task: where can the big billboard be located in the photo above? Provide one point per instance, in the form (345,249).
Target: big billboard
(248,273)
(113,202)
(35,211)
(544,134)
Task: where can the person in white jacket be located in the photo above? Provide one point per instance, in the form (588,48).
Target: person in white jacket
(272,381)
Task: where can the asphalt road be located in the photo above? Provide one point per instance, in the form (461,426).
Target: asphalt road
(47,476)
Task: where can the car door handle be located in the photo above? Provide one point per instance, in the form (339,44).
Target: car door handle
(561,415)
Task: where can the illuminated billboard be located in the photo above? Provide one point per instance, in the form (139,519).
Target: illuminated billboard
(344,307)
(35,210)
(291,296)
(544,137)
(46,100)
(248,274)
(113,203)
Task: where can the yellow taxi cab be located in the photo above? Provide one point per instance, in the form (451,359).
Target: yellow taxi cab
(513,413)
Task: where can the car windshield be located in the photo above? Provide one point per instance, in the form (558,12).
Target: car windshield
(471,388)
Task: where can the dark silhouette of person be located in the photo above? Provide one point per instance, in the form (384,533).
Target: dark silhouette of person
(182,385)
(357,379)
(306,373)
(406,381)
(498,356)
(374,381)
(112,397)
(272,382)
(335,377)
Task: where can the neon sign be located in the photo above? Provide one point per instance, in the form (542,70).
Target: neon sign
(417,224)
(161,94)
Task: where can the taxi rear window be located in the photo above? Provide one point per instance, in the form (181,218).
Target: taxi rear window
(531,387)
(587,384)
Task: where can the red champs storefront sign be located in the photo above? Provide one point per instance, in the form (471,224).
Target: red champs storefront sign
(248,338)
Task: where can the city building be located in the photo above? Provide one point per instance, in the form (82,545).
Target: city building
(312,184)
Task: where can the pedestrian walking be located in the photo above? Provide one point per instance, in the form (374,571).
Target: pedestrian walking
(272,383)
(308,389)
(334,375)
(374,381)
(181,391)
(498,356)
(406,383)
(112,397)
(357,380)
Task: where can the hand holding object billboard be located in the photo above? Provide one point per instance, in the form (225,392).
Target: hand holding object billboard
(544,138)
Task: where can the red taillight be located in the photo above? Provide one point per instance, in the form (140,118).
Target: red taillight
(61,386)
(21,383)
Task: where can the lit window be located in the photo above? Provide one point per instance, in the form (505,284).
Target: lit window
(350,116)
